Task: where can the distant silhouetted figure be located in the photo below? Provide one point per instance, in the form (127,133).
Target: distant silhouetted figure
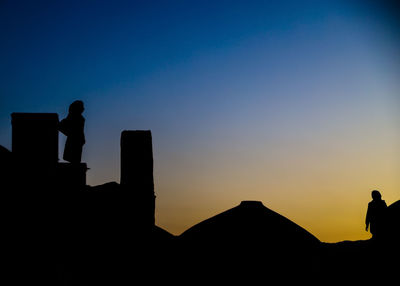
(375,214)
(72,126)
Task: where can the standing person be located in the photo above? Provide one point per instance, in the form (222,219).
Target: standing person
(73,127)
(375,214)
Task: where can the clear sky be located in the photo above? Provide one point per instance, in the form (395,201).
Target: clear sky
(293,103)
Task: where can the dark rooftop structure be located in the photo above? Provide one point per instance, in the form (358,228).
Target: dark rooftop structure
(35,138)
(250,219)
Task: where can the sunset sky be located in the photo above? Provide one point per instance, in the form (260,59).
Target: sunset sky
(293,103)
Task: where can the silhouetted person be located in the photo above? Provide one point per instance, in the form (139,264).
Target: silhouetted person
(375,214)
(72,126)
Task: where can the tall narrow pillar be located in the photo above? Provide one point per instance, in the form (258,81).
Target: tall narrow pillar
(137,172)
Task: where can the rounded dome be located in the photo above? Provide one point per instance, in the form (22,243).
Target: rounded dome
(250,224)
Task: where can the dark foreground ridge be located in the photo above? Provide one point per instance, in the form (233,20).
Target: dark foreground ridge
(60,231)
(92,238)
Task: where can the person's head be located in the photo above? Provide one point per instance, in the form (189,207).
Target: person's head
(376,195)
(76,107)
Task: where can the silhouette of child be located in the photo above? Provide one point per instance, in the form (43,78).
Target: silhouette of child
(375,214)
(72,126)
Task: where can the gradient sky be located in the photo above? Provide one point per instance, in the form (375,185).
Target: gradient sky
(293,103)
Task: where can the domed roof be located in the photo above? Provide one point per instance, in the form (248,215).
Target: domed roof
(251,224)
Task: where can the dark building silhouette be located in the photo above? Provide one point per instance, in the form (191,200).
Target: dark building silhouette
(392,229)
(250,219)
(35,153)
(251,243)
(71,175)
(5,160)
(6,168)
(137,159)
(35,138)
(137,171)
